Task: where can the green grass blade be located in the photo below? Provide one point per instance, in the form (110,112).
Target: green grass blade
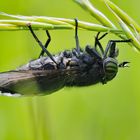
(129,34)
(42,22)
(24,24)
(8,27)
(85,4)
(126,19)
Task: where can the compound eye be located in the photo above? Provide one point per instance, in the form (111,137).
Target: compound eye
(110,66)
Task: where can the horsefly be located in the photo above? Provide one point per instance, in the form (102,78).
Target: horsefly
(76,67)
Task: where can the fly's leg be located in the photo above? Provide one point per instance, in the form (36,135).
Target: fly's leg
(97,42)
(111,47)
(44,50)
(92,52)
(76,37)
(47,43)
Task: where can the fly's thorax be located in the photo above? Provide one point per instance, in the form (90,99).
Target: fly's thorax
(110,68)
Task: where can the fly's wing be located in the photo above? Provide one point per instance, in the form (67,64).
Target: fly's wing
(32,82)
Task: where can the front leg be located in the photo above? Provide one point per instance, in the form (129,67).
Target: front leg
(110,50)
(97,42)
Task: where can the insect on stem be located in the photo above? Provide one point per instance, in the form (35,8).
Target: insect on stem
(76,67)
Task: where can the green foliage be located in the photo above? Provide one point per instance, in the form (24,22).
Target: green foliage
(101,112)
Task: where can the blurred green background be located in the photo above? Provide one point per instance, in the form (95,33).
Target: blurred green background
(100,112)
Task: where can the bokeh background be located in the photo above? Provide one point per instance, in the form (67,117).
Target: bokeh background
(100,112)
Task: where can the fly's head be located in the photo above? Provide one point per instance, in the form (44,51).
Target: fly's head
(107,59)
(110,69)
(109,62)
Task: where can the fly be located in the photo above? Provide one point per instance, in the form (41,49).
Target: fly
(76,67)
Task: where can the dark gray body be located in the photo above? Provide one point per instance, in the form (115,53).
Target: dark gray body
(42,76)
